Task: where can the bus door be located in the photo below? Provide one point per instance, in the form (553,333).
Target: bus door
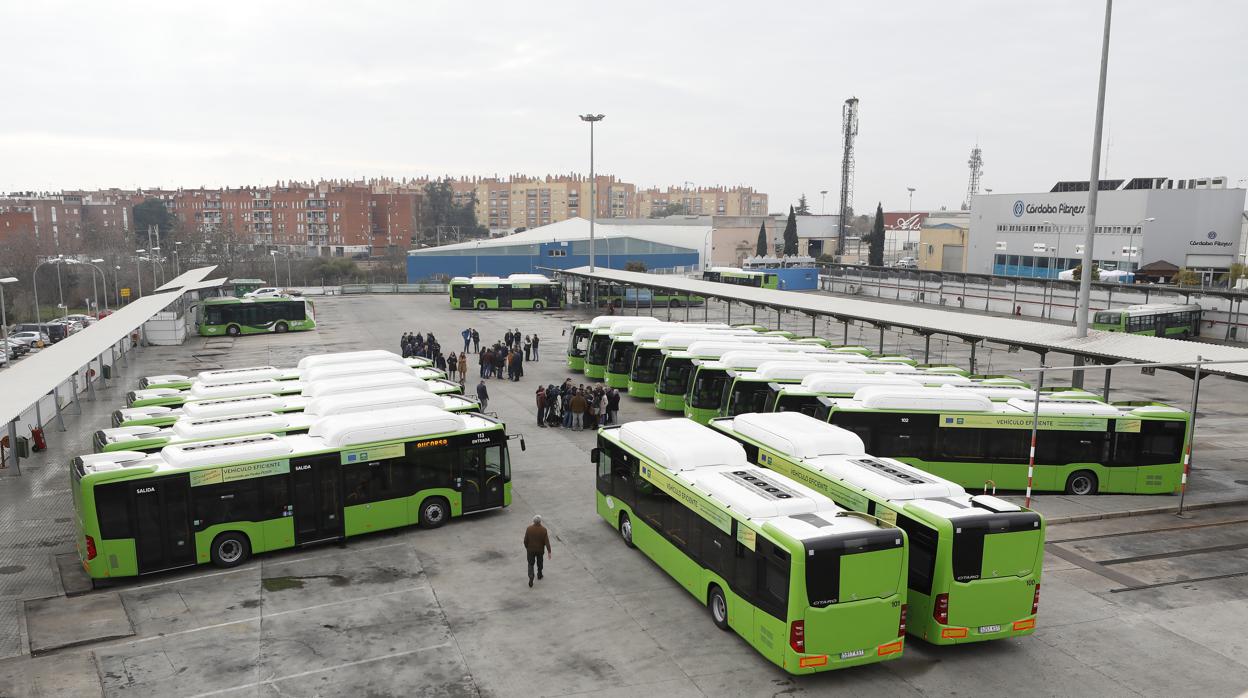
(318,498)
(162,530)
(508,292)
(479,477)
(1162,321)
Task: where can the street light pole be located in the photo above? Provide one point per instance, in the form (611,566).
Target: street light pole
(1094,185)
(593,198)
(823,201)
(1131,243)
(177,266)
(273,254)
(138,273)
(4,316)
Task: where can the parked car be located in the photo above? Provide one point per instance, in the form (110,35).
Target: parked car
(55,331)
(37,340)
(84,320)
(15,348)
(266,292)
(907,262)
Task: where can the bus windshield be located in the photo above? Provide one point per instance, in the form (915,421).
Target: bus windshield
(621,357)
(707,388)
(746,396)
(578,341)
(994,546)
(839,568)
(1108,318)
(598,347)
(646,365)
(675,376)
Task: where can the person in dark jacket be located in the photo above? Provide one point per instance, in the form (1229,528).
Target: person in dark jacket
(507,338)
(536,540)
(403,345)
(517,364)
(467,335)
(483,395)
(476,341)
(613,406)
(540,396)
(536,357)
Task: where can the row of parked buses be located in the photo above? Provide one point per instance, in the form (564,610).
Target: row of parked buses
(818,554)
(972,429)
(222,465)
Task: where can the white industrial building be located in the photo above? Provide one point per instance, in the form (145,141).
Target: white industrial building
(1193,224)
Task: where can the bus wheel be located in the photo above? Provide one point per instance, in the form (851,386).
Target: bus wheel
(1081,482)
(434,512)
(673,303)
(626,530)
(280,327)
(719,607)
(538,305)
(233,331)
(482,305)
(230,549)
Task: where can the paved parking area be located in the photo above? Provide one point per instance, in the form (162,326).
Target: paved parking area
(448,612)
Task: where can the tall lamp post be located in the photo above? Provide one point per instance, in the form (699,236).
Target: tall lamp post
(177,267)
(909,213)
(1131,243)
(273,254)
(593,196)
(823,201)
(116,285)
(34,282)
(103,280)
(1094,185)
(138,273)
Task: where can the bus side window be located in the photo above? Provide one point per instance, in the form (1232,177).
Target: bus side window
(717,551)
(773,578)
(623,473)
(923,542)
(225,503)
(1161,442)
(430,468)
(745,571)
(959,445)
(112,509)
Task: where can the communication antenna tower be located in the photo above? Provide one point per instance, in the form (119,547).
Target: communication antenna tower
(976,163)
(849,130)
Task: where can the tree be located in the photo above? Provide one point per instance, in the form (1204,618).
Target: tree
(152,212)
(440,211)
(875,254)
(1096,272)
(673,209)
(761,248)
(790,234)
(803,209)
(332,271)
(635,265)
(1237,272)
(1185,277)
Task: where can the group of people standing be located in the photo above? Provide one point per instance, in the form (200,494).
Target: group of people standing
(415,344)
(577,407)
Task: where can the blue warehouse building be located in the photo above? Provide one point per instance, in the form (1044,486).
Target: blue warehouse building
(562,245)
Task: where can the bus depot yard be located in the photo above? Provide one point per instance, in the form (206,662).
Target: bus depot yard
(1133,600)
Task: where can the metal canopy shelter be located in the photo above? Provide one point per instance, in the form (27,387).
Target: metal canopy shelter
(26,383)
(1040,337)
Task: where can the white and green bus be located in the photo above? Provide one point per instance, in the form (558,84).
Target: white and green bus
(1176,320)
(598,355)
(710,382)
(677,368)
(239,316)
(975,561)
(651,345)
(1082,446)
(222,501)
(259,382)
(516,292)
(233,375)
(169,397)
(742,277)
(579,336)
(809,585)
(185,429)
(626,339)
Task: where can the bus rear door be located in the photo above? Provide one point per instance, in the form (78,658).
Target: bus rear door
(162,531)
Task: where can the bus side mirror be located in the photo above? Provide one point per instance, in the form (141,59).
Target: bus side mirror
(593,455)
(522,448)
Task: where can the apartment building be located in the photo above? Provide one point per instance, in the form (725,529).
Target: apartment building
(520,201)
(709,201)
(67,222)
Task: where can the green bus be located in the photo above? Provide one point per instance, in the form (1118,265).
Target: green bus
(804,397)
(1180,321)
(578,338)
(516,292)
(677,368)
(629,297)
(596,356)
(742,277)
(232,375)
(626,338)
(186,429)
(239,316)
(710,383)
(750,390)
(810,586)
(651,343)
(169,397)
(1082,447)
(975,561)
(222,501)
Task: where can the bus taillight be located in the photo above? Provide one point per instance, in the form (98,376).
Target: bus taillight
(1035,601)
(901,624)
(940,609)
(797,636)
(90,548)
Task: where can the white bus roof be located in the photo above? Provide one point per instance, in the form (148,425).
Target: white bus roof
(255,387)
(799,435)
(385,425)
(1066,407)
(772,370)
(529,278)
(603,321)
(344,403)
(226,425)
(344,357)
(681,444)
(881,397)
(233,375)
(841,383)
(373,381)
(320,373)
(263,402)
(756,493)
(1146,308)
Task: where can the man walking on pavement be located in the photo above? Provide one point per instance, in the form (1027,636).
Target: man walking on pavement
(483,395)
(536,538)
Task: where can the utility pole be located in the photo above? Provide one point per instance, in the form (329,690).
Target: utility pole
(1094,185)
(593,196)
(849,130)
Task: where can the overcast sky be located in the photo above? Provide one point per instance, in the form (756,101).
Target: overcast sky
(170,94)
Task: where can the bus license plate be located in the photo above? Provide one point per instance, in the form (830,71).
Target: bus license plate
(851,655)
(985,629)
